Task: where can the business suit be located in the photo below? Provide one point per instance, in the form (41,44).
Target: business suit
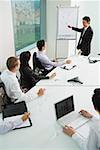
(84,43)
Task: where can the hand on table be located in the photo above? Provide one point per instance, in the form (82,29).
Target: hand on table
(68,61)
(52,76)
(86,114)
(69,130)
(25,116)
(79,52)
(40,92)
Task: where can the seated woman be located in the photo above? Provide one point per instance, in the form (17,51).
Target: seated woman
(45,61)
(28,77)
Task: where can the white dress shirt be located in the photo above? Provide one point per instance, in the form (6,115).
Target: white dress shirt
(11,85)
(6,126)
(93,141)
(83,34)
(46,62)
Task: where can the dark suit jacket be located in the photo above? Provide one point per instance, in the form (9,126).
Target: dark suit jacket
(85,45)
(28,78)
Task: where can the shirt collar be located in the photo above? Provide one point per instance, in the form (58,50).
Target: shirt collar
(86,28)
(41,52)
(11,73)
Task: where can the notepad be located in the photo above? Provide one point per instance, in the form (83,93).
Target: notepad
(26,123)
(15,111)
(97,58)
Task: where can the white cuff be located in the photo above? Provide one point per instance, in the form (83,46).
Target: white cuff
(75,136)
(17,122)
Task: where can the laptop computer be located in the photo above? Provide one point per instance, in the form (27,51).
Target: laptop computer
(66,115)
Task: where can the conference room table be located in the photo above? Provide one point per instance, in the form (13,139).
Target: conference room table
(46,133)
(88,73)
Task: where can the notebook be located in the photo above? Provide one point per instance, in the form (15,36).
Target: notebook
(15,111)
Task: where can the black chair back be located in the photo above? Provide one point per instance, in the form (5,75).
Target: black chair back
(5,100)
(37,65)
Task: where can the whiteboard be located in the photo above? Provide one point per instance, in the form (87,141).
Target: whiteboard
(67,16)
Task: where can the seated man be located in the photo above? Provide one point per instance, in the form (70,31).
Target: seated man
(10,80)
(43,58)
(93,141)
(7,126)
(28,77)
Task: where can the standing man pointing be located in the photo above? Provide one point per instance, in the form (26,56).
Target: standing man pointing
(84,44)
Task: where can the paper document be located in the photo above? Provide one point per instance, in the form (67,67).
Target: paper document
(24,124)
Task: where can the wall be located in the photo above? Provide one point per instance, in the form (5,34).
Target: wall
(6,32)
(51,29)
(7,48)
(99,27)
(90,8)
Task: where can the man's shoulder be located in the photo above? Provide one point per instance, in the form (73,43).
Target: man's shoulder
(90,29)
(5,71)
(7,76)
(3,74)
(96,125)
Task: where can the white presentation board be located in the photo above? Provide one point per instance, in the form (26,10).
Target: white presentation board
(67,16)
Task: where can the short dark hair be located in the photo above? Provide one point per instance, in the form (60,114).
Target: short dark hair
(40,44)
(97,91)
(87,19)
(24,58)
(96,99)
(12,62)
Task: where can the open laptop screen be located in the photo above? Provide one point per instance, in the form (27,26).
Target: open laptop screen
(64,107)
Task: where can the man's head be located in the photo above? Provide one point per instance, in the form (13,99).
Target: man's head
(13,64)
(96,100)
(86,21)
(41,45)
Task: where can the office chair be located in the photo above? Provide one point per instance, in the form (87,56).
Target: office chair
(2,96)
(4,99)
(37,66)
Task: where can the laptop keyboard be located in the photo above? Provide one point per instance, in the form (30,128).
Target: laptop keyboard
(78,122)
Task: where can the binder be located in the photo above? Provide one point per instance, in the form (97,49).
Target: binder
(14,111)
